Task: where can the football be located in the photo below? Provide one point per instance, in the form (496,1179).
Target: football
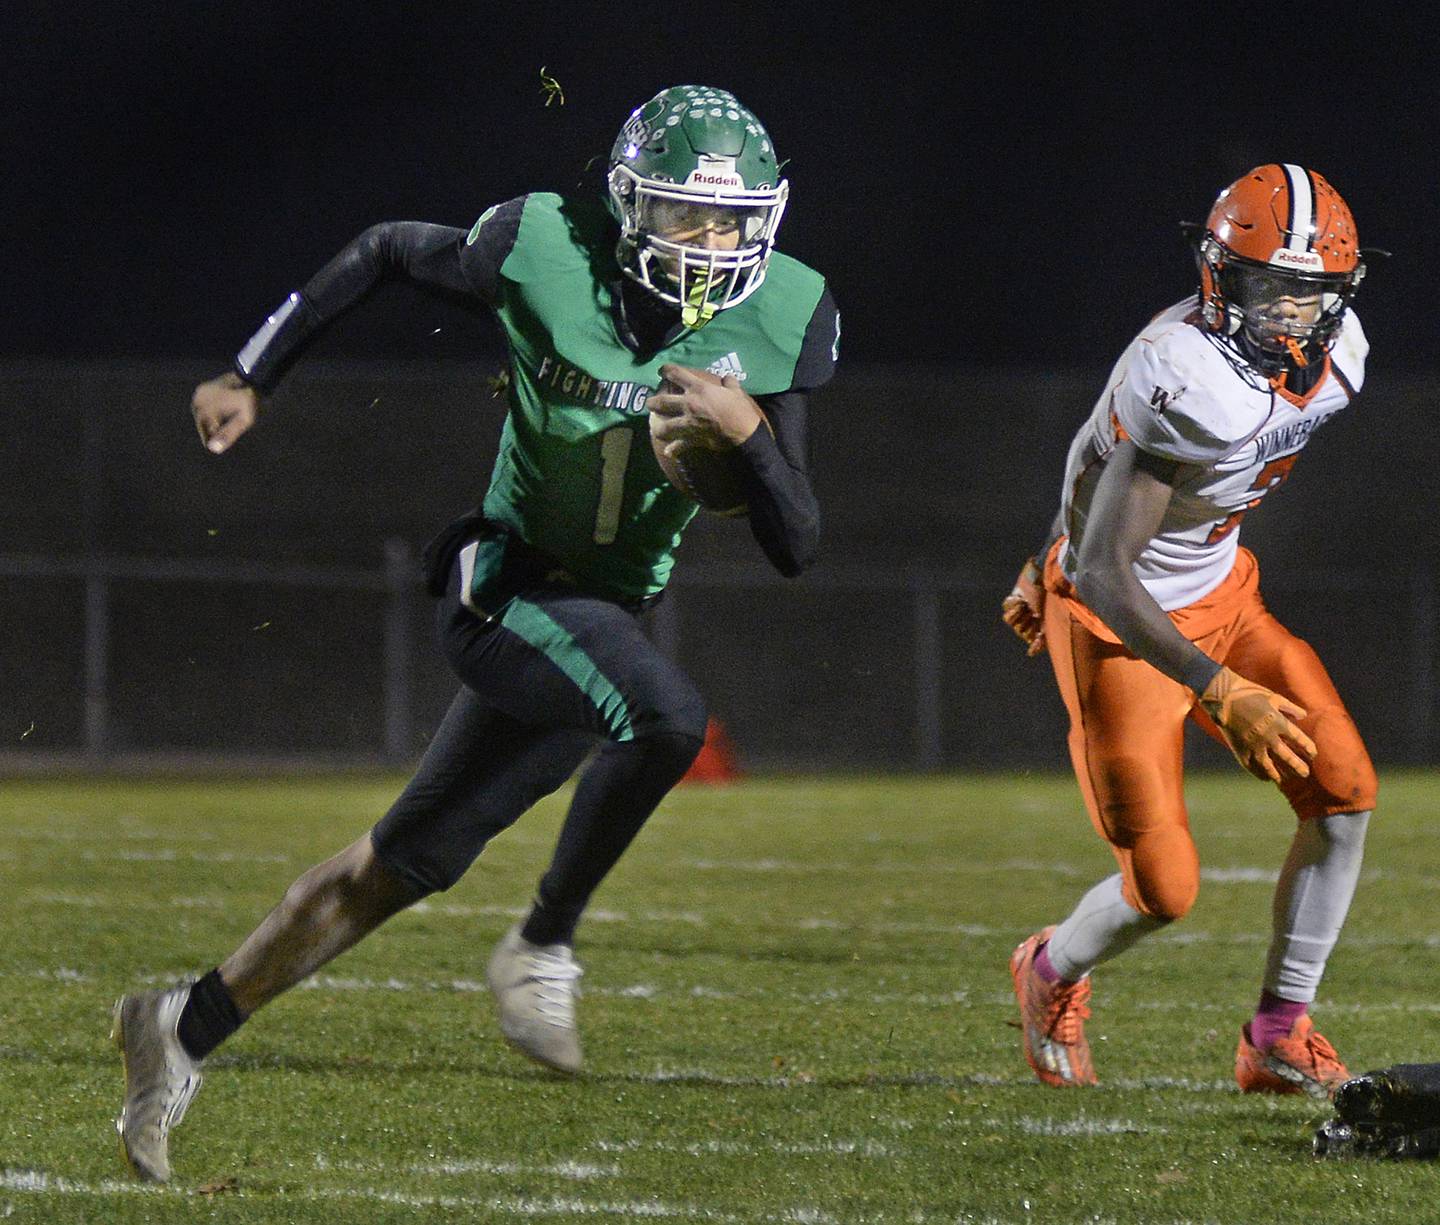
(701,473)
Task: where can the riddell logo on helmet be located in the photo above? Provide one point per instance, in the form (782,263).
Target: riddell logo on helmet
(715,172)
(1298,259)
(700,179)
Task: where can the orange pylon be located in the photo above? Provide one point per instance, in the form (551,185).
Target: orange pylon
(717,762)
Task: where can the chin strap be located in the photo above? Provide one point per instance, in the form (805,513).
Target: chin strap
(1297,355)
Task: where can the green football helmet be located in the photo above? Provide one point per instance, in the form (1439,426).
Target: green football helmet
(697,191)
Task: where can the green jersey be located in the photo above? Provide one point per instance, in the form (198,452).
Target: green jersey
(576,477)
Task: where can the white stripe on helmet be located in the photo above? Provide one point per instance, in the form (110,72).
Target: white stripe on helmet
(1302,208)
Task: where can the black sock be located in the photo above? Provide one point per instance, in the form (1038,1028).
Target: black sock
(541,926)
(208,1018)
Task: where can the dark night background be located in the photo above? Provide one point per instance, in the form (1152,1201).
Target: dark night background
(980,185)
(994,198)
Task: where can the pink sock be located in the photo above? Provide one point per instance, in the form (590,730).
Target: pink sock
(1274,1019)
(1043,967)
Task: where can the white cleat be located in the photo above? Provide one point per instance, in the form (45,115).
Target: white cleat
(536,986)
(160,1077)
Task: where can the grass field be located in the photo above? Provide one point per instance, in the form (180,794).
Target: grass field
(796,1009)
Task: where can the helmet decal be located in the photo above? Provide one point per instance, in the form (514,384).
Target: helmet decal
(697,191)
(1300,223)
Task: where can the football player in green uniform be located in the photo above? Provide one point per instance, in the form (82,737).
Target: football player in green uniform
(539,590)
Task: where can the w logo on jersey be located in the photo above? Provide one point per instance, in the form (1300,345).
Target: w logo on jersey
(1161,399)
(729,364)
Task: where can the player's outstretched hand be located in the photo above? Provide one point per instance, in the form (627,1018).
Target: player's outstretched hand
(224,408)
(1023,610)
(1259,726)
(696,407)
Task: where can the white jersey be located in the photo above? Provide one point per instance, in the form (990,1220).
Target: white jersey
(1180,393)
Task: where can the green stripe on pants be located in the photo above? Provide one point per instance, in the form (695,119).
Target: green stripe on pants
(555,642)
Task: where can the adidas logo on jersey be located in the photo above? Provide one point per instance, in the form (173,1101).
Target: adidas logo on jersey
(729,364)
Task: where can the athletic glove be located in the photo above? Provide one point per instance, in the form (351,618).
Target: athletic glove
(1257,725)
(1023,610)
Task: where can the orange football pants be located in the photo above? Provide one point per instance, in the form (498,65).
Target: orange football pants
(1127,728)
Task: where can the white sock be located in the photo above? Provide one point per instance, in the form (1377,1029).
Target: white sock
(1311,900)
(1102,926)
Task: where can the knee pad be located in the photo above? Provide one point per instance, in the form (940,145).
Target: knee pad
(681,713)
(1163,874)
(673,751)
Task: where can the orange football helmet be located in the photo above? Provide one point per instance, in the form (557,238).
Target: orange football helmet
(1279,262)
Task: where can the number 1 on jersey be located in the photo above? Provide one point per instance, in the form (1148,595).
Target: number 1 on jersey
(614,459)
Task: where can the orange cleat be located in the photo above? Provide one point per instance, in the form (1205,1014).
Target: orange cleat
(1052,1019)
(1301,1062)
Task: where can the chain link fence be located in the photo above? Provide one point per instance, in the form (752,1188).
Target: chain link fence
(159,605)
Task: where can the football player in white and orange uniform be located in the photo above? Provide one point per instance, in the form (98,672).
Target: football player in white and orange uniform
(1151,613)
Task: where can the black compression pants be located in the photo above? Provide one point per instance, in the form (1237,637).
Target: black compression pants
(544,681)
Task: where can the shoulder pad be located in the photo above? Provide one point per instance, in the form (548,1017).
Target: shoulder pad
(559,234)
(1349,351)
(1182,399)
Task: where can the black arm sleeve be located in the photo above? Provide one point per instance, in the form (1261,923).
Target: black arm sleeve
(784,514)
(463,268)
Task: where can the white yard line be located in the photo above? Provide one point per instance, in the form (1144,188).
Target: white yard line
(171,855)
(919,1079)
(461,911)
(112,901)
(1085,1127)
(579,1171)
(649,992)
(38,1183)
(60,974)
(741,1148)
(922,867)
(1240,876)
(807,923)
